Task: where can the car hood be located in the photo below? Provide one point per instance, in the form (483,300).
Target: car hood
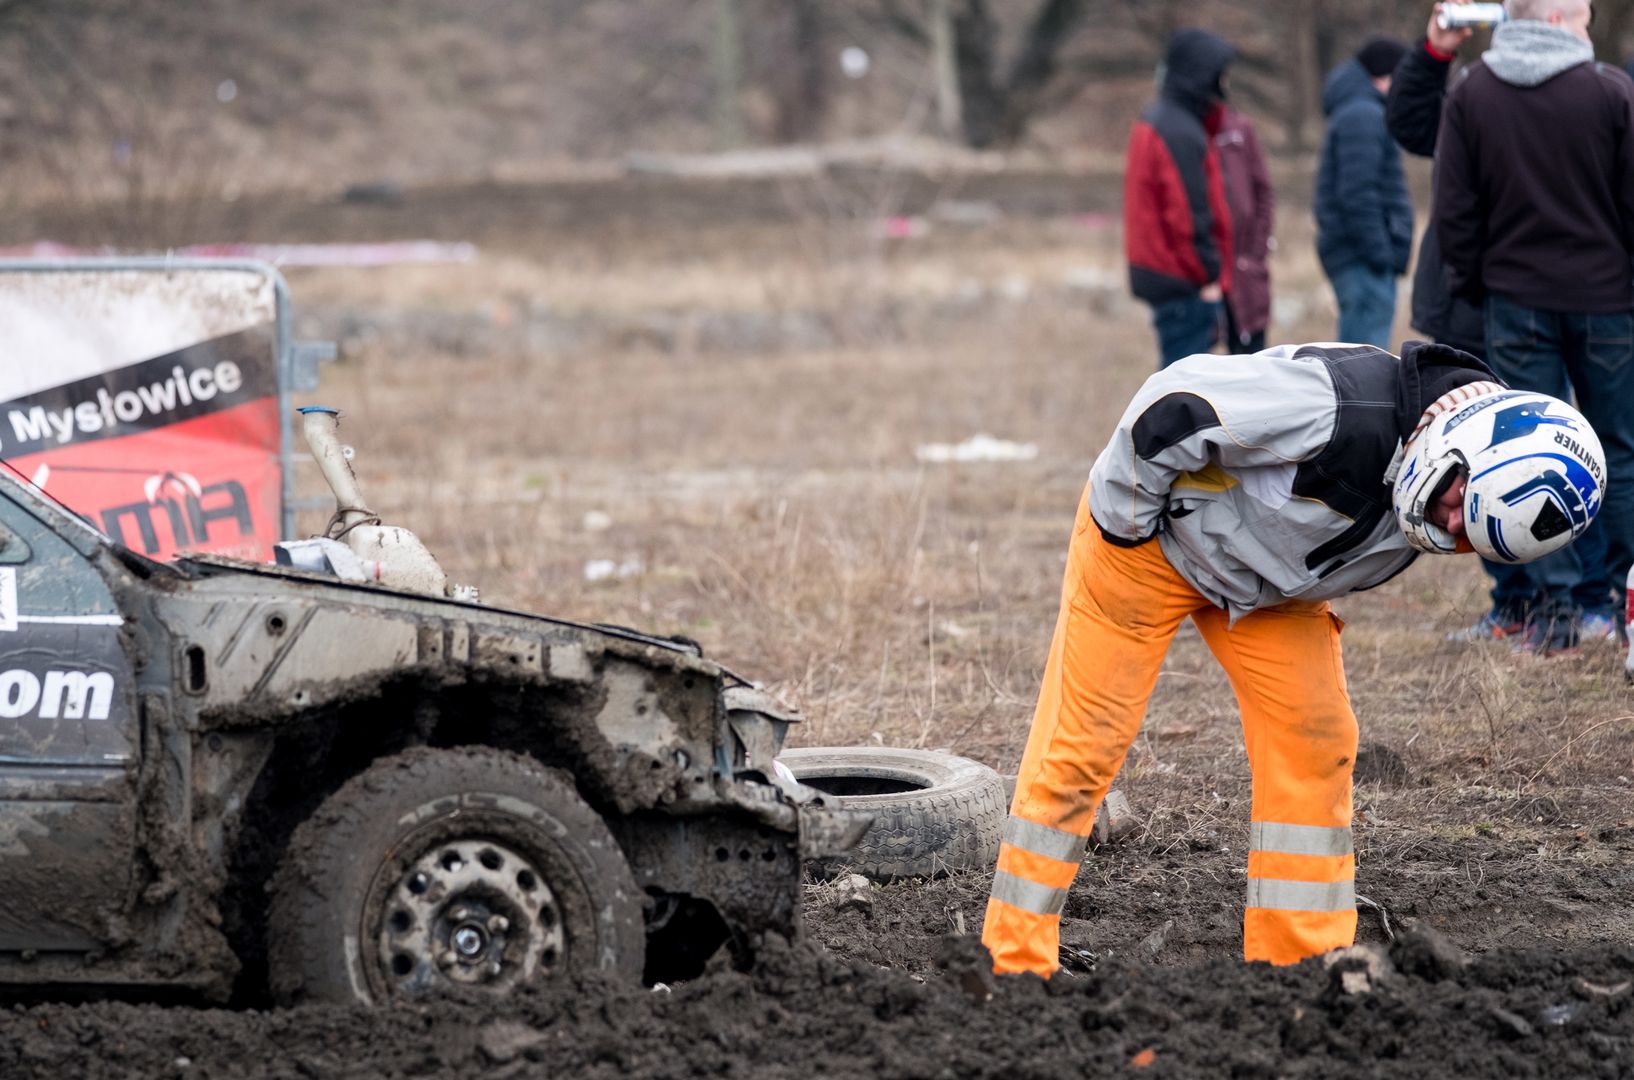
(207,565)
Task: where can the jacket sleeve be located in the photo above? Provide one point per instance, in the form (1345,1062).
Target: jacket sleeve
(1232,411)
(1413,108)
(1155,213)
(1625,163)
(1359,145)
(1257,236)
(1460,220)
(1190,156)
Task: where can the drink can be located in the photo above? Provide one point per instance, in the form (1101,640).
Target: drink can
(1459,16)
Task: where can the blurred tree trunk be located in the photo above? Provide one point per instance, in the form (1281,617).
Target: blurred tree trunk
(981,97)
(945,67)
(998,110)
(1038,63)
(1304,70)
(726,55)
(801,76)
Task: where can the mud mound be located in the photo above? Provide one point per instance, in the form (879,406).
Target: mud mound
(1417,1009)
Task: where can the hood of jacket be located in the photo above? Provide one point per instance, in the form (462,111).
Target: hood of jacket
(1192,68)
(1530,53)
(1346,82)
(1428,371)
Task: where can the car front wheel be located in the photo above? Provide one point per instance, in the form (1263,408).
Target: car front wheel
(444,868)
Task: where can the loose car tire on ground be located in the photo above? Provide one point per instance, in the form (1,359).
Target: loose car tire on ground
(455,867)
(933,812)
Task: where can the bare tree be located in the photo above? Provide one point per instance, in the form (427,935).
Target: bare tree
(998,101)
(787,43)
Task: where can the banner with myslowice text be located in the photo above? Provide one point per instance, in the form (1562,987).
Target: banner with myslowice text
(146,402)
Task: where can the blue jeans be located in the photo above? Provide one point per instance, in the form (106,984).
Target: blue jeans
(1185,326)
(1367,304)
(1593,356)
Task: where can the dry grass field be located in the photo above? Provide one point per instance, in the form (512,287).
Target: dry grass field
(724,417)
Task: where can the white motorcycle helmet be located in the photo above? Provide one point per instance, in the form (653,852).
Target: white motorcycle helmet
(1535,475)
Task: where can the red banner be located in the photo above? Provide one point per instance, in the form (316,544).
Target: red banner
(173,451)
(207,484)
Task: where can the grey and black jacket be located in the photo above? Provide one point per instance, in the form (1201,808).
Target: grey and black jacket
(1262,476)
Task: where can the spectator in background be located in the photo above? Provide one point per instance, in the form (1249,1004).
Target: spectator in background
(1176,226)
(1364,216)
(1252,203)
(1534,209)
(1413,114)
(1413,111)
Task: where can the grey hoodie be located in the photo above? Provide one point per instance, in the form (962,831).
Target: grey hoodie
(1530,53)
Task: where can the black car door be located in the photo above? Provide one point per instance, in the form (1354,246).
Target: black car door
(68,742)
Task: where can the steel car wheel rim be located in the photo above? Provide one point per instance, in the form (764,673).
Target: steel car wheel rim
(473,913)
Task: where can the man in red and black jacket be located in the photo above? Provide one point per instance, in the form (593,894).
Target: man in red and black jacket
(1176,224)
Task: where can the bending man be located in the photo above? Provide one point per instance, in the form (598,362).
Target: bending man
(1244,492)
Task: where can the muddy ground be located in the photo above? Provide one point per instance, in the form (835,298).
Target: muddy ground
(893,984)
(1418,1008)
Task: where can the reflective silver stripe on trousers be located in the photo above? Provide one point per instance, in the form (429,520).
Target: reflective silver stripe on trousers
(1299,839)
(1045,841)
(1028,895)
(1279,895)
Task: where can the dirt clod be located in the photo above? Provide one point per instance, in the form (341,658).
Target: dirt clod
(1115,819)
(968,965)
(505,1040)
(1376,763)
(1152,943)
(1424,952)
(1358,969)
(1511,1026)
(854,895)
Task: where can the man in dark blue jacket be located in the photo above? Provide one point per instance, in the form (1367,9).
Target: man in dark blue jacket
(1364,216)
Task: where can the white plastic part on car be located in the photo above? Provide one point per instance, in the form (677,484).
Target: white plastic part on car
(395,555)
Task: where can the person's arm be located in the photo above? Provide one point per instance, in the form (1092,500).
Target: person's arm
(1412,109)
(1413,106)
(1232,411)
(1625,164)
(1359,144)
(1460,219)
(1190,152)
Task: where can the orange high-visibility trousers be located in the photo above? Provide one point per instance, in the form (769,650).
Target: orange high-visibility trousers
(1120,607)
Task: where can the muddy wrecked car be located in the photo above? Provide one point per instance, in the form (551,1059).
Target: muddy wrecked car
(342,779)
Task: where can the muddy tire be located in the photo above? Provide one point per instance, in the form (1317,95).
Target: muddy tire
(933,812)
(437,869)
